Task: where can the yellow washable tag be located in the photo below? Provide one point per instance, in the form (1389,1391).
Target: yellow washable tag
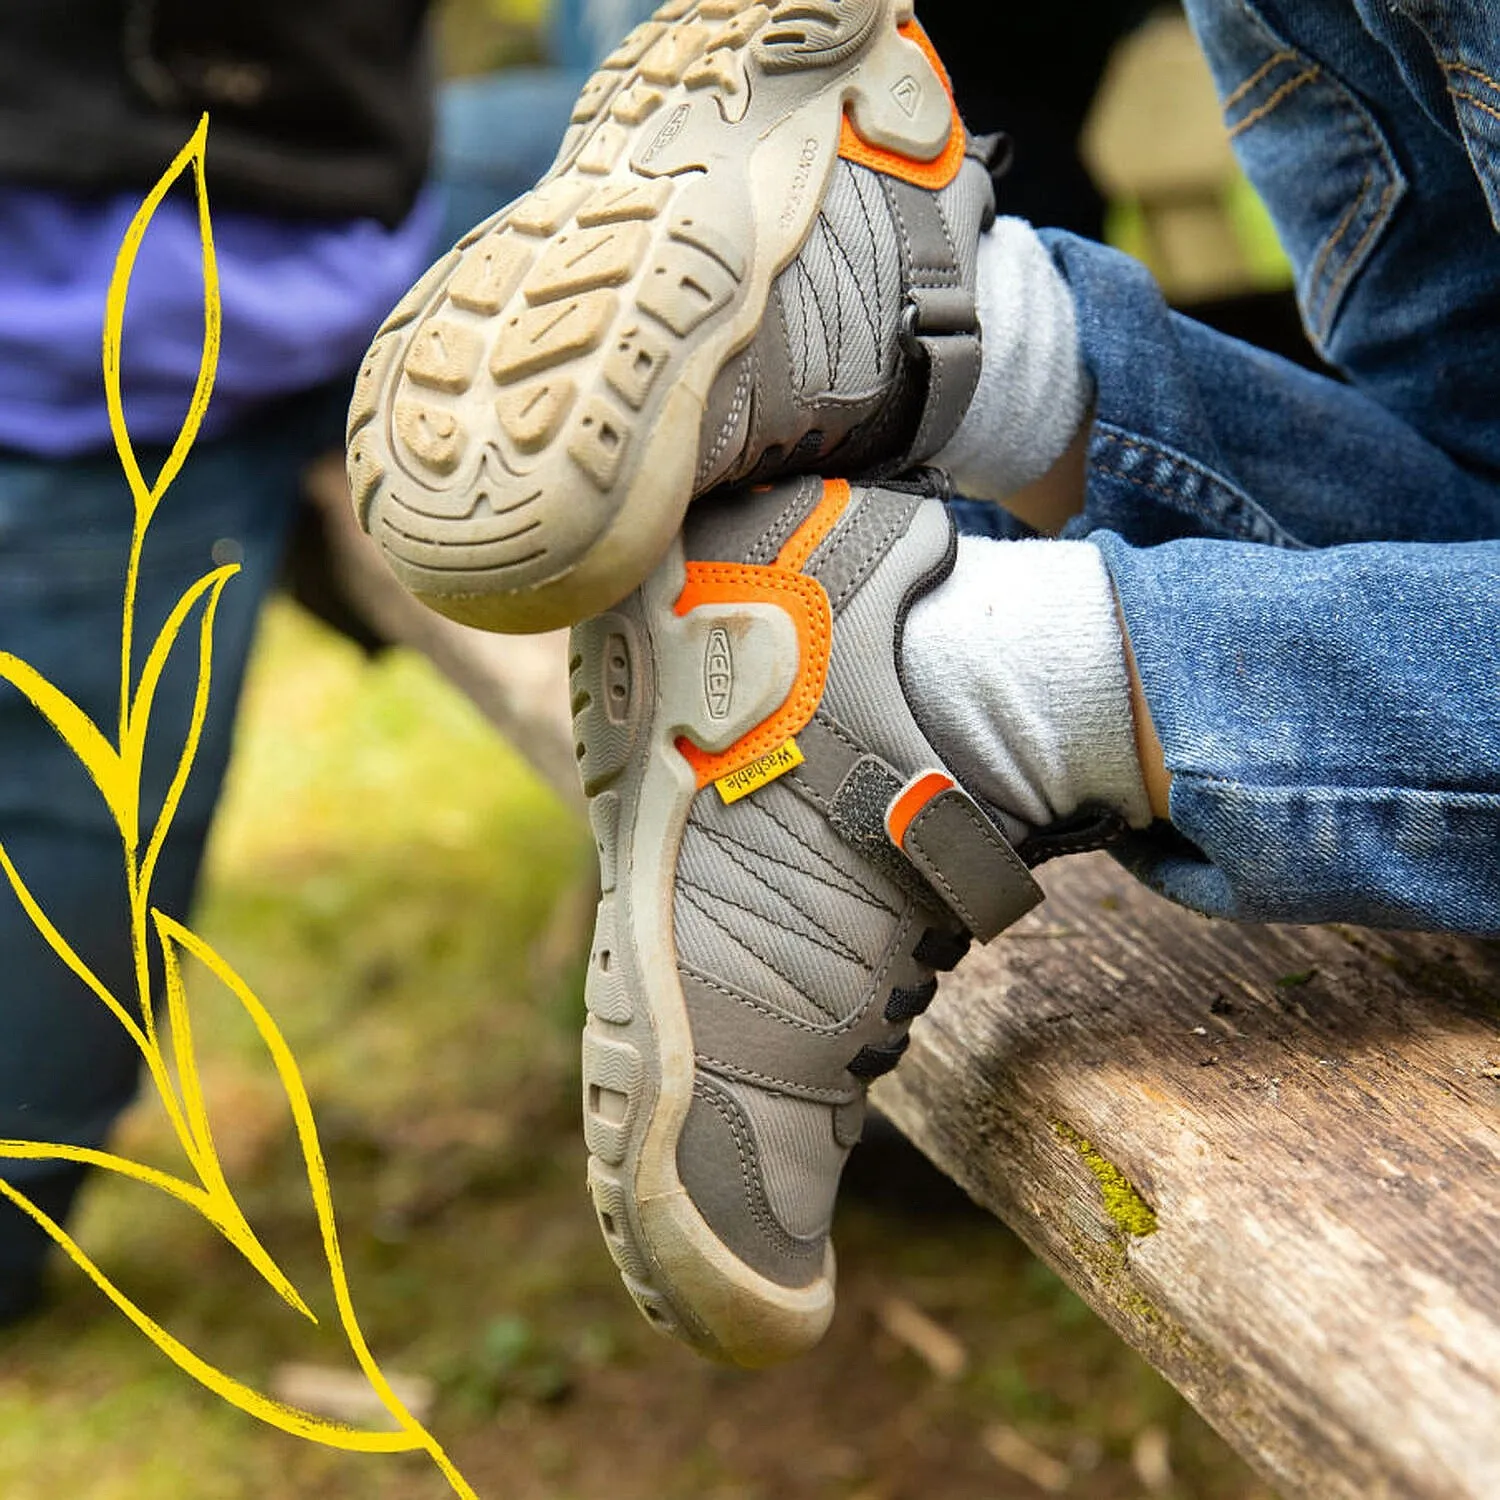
(759,772)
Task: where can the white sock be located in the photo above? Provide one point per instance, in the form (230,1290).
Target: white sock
(1033,390)
(1016,670)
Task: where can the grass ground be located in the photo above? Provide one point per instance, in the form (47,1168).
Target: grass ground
(405,897)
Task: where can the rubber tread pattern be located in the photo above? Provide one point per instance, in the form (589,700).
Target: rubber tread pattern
(612,314)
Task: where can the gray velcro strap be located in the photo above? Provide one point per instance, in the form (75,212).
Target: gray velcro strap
(951,849)
(941,326)
(857,815)
(967,861)
(953,363)
(942,309)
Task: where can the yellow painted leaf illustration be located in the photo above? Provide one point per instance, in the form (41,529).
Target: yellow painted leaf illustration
(159,940)
(81,735)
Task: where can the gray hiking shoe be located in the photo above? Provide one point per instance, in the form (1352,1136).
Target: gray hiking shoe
(784,863)
(754,254)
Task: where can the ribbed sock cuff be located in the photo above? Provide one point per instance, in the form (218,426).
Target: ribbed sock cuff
(1016,670)
(1033,390)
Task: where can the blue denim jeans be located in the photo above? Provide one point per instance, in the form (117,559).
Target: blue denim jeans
(67,1069)
(1309,567)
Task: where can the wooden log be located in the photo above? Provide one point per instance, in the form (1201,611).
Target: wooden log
(1268,1156)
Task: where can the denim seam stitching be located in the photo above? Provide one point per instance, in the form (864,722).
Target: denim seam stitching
(1454,798)
(1321,318)
(1263,71)
(1321,311)
(1277,98)
(1352,261)
(1477,102)
(1458,67)
(1108,434)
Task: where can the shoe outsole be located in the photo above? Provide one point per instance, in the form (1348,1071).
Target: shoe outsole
(638,1062)
(523,434)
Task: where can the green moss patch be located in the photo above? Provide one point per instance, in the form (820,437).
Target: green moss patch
(1122,1202)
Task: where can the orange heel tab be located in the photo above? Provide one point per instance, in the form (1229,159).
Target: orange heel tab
(910,800)
(933,175)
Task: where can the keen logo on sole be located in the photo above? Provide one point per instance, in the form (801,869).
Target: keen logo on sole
(667,134)
(718,674)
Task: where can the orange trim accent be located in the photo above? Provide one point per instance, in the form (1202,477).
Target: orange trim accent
(908,802)
(804,541)
(935,174)
(806,601)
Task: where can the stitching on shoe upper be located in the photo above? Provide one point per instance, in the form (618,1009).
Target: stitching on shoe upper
(893,528)
(827,864)
(864,295)
(822,520)
(933,405)
(921,273)
(939,274)
(691,897)
(806,601)
(832,727)
(755,1194)
(934,174)
(698,896)
(898,947)
(820,937)
(806,292)
(838,1029)
(833,945)
(791,1086)
(773,538)
(715,451)
(933,871)
(720,837)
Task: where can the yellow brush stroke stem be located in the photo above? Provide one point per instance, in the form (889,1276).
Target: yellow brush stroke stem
(206,1202)
(139,874)
(317,1177)
(133,746)
(65,951)
(144,1040)
(146,499)
(107,1161)
(220,1202)
(217,580)
(118,772)
(273,1413)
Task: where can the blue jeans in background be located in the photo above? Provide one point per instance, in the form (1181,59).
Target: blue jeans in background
(67,1068)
